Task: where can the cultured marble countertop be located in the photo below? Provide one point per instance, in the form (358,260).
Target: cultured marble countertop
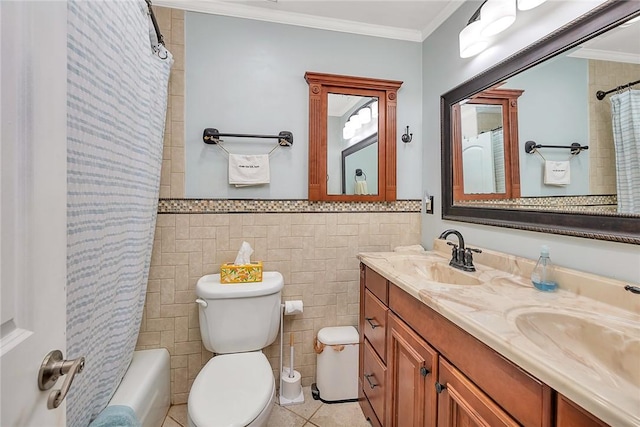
(582,340)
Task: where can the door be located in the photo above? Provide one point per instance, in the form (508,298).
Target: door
(412,369)
(32,205)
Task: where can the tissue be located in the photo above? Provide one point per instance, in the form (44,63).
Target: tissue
(244,254)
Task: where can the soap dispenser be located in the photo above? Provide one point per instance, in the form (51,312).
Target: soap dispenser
(543,275)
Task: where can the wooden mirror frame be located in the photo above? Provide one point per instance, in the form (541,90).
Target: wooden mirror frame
(320,85)
(612,227)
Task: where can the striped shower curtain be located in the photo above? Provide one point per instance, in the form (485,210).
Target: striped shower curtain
(625,112)
(116,105)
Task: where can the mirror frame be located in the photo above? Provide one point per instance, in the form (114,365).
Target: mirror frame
(611,227)
(320,85)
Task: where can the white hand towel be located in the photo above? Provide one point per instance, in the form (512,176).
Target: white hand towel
(557,173)
(361,187)
(247,170)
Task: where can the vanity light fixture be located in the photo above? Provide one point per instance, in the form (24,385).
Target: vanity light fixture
(472,42)
(497,16)
(529,4)
(360,117)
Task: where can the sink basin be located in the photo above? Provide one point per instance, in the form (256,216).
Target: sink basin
(608,346)
(433,268)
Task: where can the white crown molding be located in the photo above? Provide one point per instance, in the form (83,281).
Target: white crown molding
(451,7)
(606,55)
(290,18)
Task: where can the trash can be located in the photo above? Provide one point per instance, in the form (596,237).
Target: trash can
(337,365)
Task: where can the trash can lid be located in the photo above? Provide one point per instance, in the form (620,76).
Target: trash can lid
(338,335)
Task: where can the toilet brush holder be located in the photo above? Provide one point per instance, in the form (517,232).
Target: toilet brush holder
(290,388)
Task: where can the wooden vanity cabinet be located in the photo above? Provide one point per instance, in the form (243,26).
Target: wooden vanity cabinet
(412,369)
(372,373)
(568,414)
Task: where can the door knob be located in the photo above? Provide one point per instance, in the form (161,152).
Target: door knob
(53,367)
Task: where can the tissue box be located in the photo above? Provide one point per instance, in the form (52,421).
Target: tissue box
(244,273)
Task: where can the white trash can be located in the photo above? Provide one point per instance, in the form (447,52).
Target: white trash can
(337,364)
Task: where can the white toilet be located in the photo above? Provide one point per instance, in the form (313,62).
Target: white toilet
(236,387)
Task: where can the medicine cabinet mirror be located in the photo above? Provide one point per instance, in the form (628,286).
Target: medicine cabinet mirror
(352,138)
(598,52)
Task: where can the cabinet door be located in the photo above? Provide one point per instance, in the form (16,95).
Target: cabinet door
(571,415)
(412,370)
(462,404)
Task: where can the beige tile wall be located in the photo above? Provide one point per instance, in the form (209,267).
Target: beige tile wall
(171,23)
(604,75)
(316,253)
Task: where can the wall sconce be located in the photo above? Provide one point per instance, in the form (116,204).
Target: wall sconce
(491,18)
(407,137)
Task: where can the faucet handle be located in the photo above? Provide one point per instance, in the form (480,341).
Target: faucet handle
(454,250)
(478,251)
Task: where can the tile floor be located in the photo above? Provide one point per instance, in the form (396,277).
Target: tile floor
(311,413)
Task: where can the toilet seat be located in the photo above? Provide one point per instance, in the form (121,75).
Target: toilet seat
(231,390)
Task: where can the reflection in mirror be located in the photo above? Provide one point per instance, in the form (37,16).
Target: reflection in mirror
(561,191)
(351,121)
(485,139)
(338,147)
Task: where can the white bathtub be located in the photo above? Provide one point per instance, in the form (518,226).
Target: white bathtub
(146,387)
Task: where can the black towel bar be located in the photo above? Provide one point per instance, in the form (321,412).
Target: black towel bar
(576,148)
(212,136)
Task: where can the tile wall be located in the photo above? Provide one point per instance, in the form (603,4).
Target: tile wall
(315,251)
(604,75)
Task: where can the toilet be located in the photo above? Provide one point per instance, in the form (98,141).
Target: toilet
(236,387)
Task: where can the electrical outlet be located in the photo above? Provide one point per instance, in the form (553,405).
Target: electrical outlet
(428,204)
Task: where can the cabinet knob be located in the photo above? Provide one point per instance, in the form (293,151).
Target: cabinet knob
(440,387)
(371,384)
(370,320)
(424,371)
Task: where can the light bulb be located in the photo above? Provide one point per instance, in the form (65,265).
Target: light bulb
(374,110)
(348,132)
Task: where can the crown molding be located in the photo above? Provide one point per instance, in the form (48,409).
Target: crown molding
(298,19)
(606,55)
(451,7)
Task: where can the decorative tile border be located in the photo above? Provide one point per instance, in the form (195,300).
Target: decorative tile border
(597,204)
(280,206)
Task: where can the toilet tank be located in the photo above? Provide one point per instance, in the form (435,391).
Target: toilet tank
(239,317)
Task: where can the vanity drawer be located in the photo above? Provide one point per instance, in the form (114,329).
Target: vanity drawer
(377,284)
(373,380)
(375,323)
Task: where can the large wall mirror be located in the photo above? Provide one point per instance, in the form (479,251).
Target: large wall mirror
(352,143)
(558,102)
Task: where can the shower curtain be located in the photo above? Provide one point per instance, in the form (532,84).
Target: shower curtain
(625,112)
(116,105)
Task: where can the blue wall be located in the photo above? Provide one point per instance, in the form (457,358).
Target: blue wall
(247,76)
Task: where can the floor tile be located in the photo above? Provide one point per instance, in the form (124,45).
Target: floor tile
(340,414)
(169,422)
(179,414)
(308,408)
(282,417)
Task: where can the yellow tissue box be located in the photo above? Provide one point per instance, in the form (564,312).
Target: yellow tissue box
(244,273)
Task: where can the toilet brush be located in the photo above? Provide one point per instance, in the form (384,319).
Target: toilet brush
(290,379)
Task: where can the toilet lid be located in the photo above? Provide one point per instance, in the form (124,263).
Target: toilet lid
(231,390)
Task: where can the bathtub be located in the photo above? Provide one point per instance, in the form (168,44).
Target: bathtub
(146,387)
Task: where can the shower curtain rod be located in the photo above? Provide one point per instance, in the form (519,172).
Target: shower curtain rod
(600,94)
(155,23)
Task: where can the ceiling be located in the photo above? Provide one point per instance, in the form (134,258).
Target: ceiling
(396,19)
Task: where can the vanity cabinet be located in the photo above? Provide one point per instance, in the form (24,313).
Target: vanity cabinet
(372,375)
(412,369)
(568,414)
(436,373)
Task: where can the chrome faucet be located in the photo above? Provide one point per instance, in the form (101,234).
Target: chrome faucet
(461,257)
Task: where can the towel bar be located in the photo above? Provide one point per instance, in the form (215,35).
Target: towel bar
(212,136)
(531,147)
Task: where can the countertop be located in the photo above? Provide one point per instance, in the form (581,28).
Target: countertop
(562,343)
